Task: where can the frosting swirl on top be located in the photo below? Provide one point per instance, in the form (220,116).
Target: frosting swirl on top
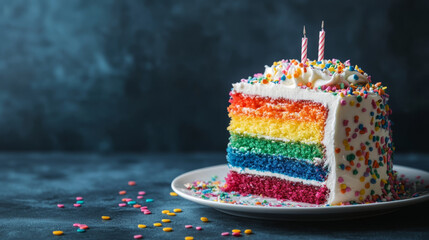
(315,74)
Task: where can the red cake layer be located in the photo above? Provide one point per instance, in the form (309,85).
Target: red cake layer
(275,188)
(284,109)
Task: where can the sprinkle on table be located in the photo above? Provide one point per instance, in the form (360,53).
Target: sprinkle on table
(189,238)
(138,236)
(60,205)
(80,230)
(177,210)
(123,192)
(173,194)
(157,224)
(141,226)
(236,234)
(132,183)
(105,217)
(171,214)
(165,220)
(165,211)
(248,231)
(58,233)
(225,234)
(204,219)
(79,198)
(236,231)
(198,228)
(188,226)
(167,229)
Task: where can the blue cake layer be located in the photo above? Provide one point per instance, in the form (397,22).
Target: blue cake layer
(276,164)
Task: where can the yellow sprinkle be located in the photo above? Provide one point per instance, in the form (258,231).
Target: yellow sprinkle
(171,214)
(322,65)
(248,231)
(362,179)
(165,211)
(343,186)
(341,94)
(289,76)
(352,103)
(236,231)
(141,226)
(167,229)
(177,210)
(362,192)
(204,219)
(189,238)
(105,217)
(166,220)
(173,194)
(384,181)
(57,233)
(157,224)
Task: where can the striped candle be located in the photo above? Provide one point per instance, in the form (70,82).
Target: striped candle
(304,47)
(321,44)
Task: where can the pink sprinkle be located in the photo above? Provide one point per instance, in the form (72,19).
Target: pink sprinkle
(144,207)
(122,204)
(139,197)
(363,109)
(76,205)
(358,165)
(225,234)
(132,183)
(348,189)
(357,193)
(128,199)
(188,226)
(142,193)
(76,224)
(199,228)
(147,212)
(138,236)
(236,234)
(340,179)
(345,122)
(60,205)
(343,102)
(79,198)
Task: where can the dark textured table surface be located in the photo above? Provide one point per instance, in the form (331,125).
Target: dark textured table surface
(33,184)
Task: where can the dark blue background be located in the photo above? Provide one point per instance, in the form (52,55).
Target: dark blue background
(154,75)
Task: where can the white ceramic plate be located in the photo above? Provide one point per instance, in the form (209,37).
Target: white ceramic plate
(295,213)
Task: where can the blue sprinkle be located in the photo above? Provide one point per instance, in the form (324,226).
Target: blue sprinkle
(79,230)
(149,200)
(131,202)
(351,68)
(355,77)
(283,78)
(372,181)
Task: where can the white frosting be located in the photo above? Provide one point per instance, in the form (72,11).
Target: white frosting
(277,175)
(314,75)
(333,136)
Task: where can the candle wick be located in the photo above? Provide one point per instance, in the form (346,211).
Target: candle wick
(323,24)
(303,31)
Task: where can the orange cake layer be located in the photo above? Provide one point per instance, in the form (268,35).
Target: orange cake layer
(280,109)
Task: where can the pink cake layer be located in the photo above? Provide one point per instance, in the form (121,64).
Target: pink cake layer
(275,188)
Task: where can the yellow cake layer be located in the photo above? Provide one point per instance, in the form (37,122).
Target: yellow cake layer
(289,130)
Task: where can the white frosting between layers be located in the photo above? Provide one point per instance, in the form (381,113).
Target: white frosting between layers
(315,75)
(277,175)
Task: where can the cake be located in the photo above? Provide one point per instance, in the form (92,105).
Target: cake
(313,132)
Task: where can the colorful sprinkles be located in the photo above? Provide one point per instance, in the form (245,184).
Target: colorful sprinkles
(330,67)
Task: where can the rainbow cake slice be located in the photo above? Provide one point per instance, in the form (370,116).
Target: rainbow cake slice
(317,132)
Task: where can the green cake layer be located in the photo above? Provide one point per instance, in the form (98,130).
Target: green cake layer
(296,150)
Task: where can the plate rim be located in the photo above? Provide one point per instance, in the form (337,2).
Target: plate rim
(292,209)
